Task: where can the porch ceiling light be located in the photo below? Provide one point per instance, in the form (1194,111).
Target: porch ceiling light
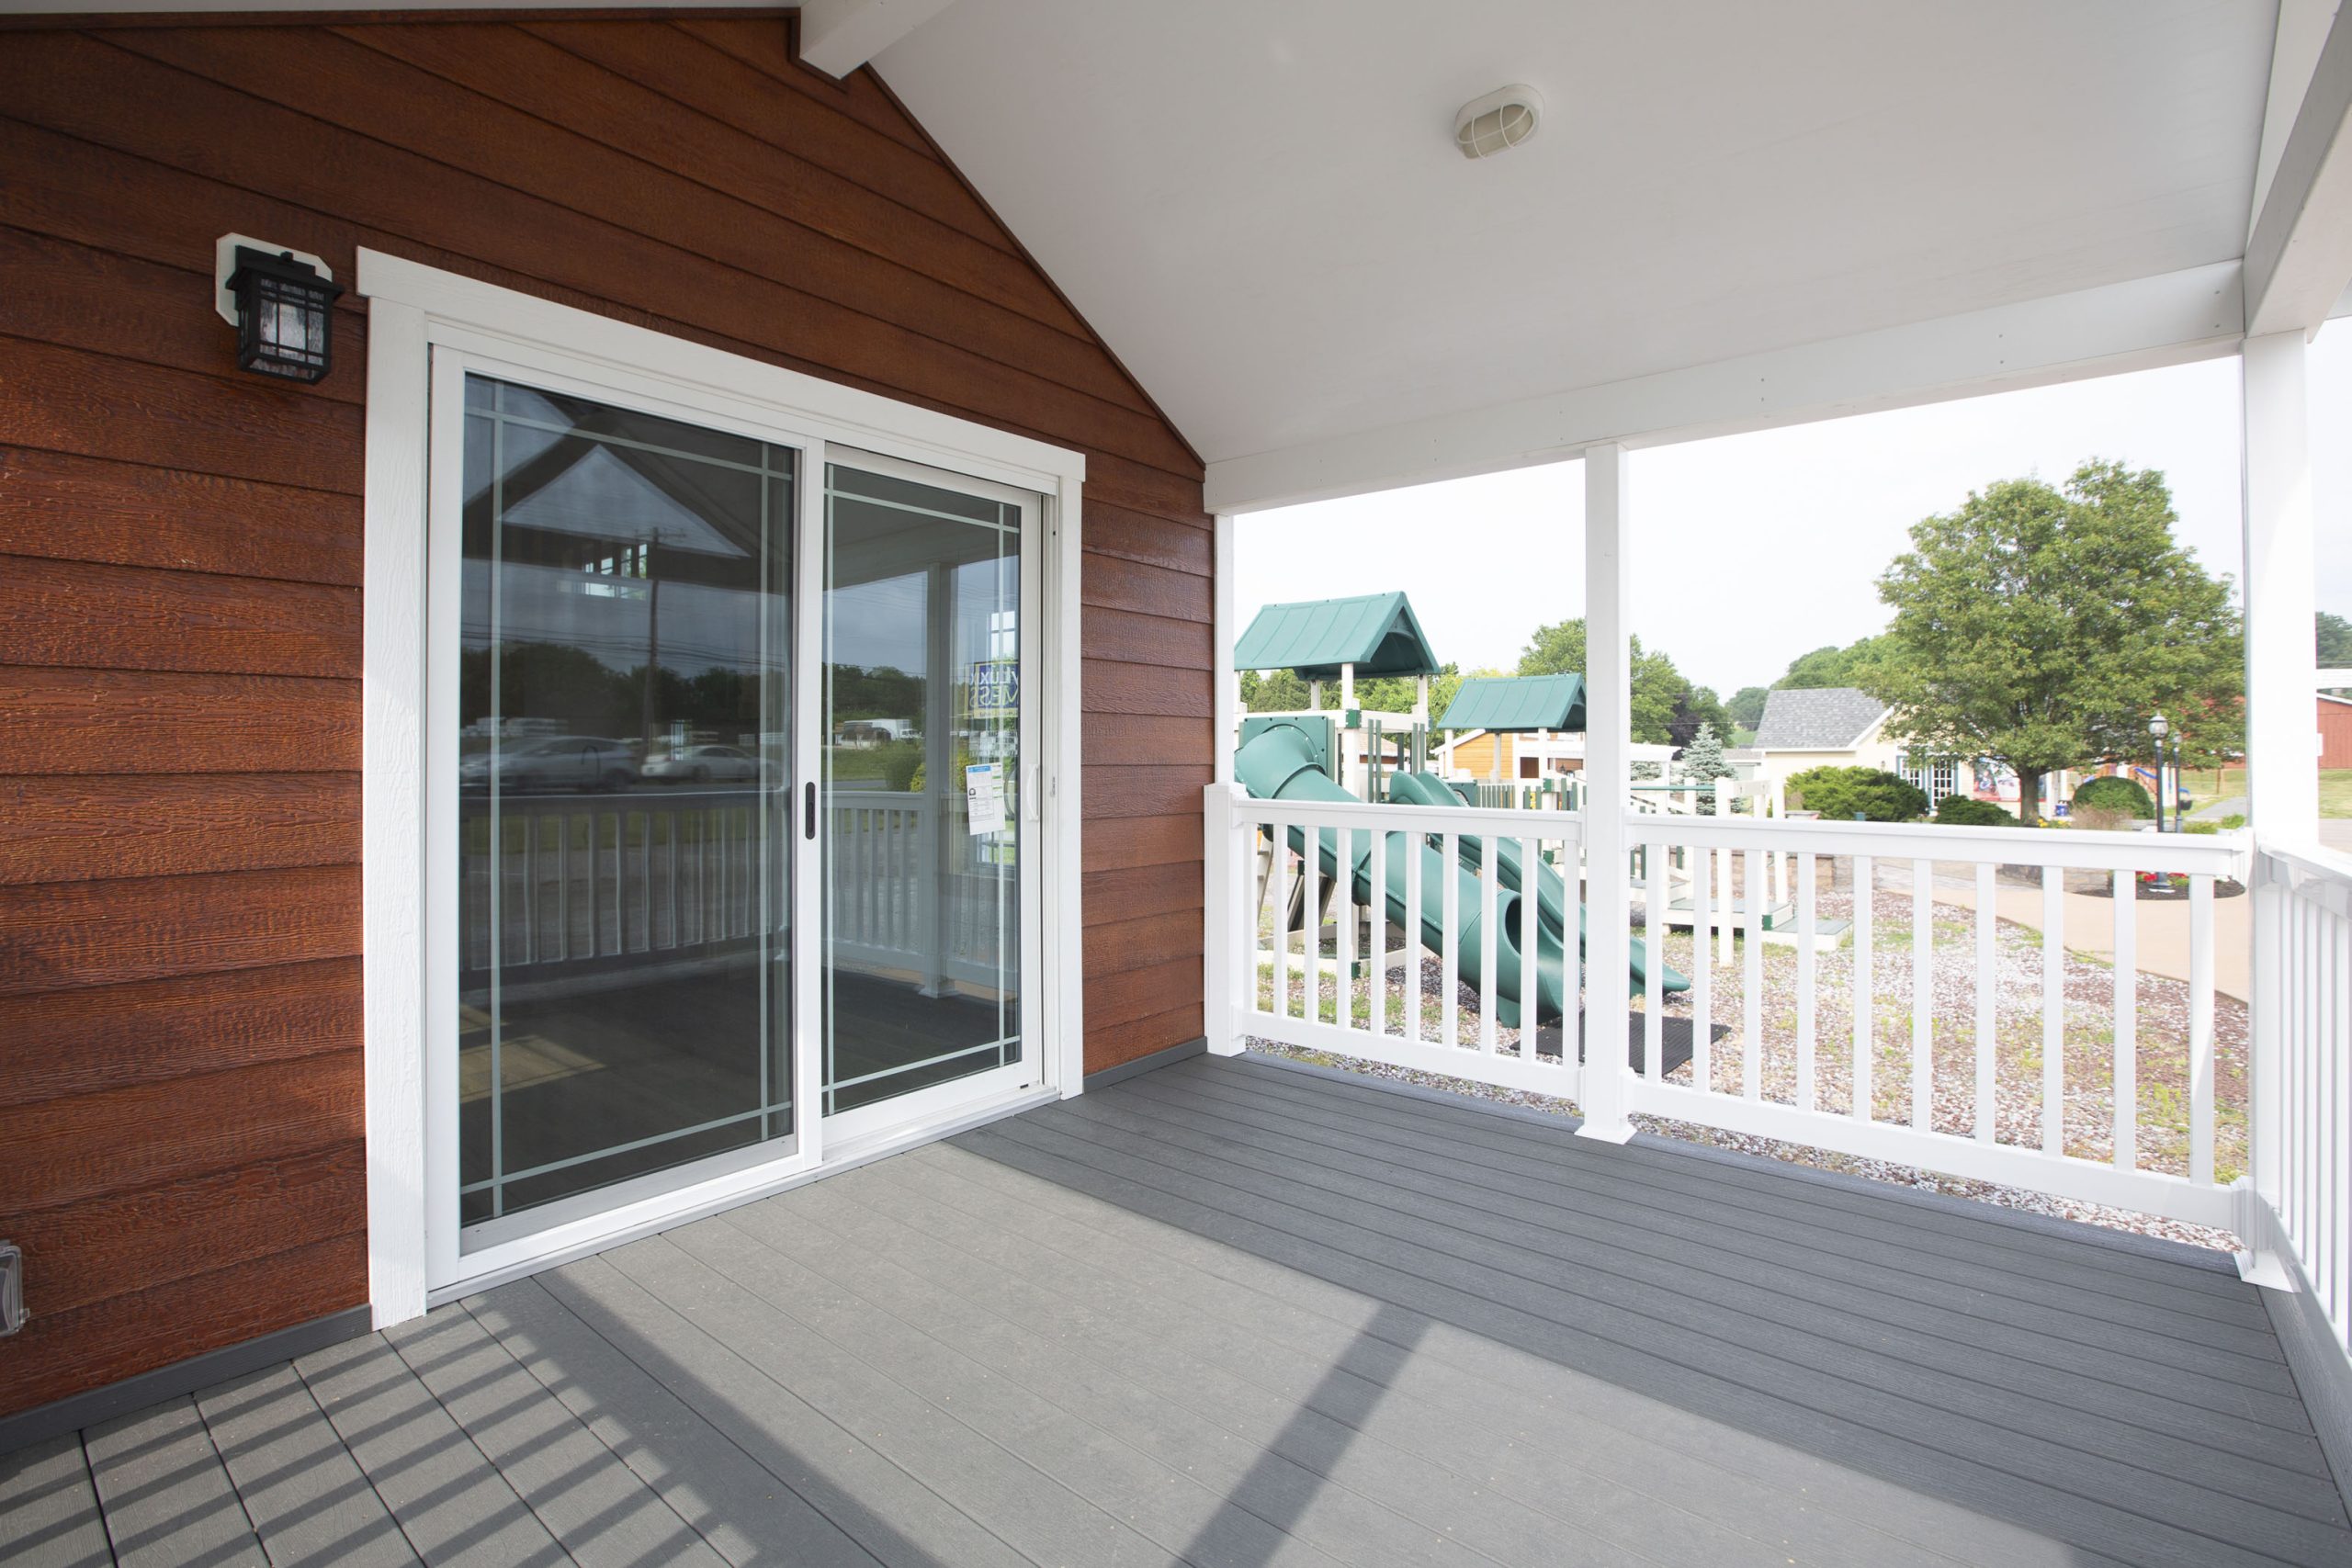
(282,304)
(1497,122)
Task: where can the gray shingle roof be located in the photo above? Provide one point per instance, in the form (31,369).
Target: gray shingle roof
(1822,719)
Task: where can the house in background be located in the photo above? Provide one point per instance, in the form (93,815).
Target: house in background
(2334,731)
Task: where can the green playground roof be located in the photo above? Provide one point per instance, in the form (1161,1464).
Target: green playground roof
(1517,703)
(1375,632)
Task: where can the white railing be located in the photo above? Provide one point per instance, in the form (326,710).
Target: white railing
(1941,1023)
(2299,1206)
(1284,987)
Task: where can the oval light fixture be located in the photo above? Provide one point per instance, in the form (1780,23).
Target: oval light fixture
(1499,121)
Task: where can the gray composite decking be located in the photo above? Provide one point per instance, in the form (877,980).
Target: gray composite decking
(1232,1314)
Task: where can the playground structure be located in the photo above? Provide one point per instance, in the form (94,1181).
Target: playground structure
(1392,888)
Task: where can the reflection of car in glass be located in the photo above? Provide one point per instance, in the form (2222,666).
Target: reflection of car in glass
(552,761)
(700,764)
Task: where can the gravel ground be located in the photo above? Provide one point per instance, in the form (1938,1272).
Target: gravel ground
(2088,1033)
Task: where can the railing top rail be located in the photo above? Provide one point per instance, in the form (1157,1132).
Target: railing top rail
(1399,818)
(2307,857)
(2215,854)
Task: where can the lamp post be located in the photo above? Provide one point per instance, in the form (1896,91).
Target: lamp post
(2157,729)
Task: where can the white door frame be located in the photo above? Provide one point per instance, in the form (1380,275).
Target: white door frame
(415,308)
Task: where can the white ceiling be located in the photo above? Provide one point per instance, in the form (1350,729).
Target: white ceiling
(1260,207)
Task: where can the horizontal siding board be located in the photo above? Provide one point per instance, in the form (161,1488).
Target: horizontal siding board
(121,1139)
(1125,994)
(1142,840)
(1139,535)
(1116,583)
(70,82)
(82,509)
(1142,943)
(1132,638)
(74,830)
(109,721)
(57,935)
(1126,892)
(1145,790)
(79,1041)
(119,1243)
(96,405)
(116,617)
(1165,740)
(119,1337)
(1109,1044)
(1106,687)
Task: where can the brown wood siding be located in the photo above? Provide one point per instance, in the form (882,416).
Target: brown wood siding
(180,1112)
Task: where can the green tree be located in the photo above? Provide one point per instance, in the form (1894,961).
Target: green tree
(1559,649)
(2335,641)
(1747,706)
(2041,626)
(1276,690)
(1827,666)
(1696,709)
(1394,694)
(1702,763)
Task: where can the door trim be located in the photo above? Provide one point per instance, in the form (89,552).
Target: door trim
(415,308)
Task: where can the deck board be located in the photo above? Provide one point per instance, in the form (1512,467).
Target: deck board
(1237,1314)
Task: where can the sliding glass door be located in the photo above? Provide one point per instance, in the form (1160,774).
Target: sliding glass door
(624,791)
(732,828)
(927,603)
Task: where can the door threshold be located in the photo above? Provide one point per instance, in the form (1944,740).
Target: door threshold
(847,1155)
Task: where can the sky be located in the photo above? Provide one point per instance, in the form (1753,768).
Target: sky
(1748,550)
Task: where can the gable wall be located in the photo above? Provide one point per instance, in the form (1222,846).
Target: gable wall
(180,1059)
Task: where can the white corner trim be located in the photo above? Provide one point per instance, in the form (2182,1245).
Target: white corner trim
(391,810)
(2196,313)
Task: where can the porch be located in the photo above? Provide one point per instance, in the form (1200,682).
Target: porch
(1234,1311)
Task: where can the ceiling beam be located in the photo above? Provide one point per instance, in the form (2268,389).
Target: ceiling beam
(838,36)
(2166,319)
(2299,258)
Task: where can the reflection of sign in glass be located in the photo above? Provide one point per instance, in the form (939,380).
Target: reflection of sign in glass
(996,689)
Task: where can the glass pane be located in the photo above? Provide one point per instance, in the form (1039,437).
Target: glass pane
(923,708)
(625,799)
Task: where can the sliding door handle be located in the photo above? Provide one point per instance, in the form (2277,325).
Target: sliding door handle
(809,812)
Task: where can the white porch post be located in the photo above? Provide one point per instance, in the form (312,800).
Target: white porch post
(1609,687)
(2281,662)
(2281,673)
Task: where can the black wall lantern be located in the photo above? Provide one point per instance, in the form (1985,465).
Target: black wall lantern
(282,304)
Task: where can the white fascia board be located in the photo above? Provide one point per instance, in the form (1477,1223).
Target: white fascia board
(838,36)
(2299,257)
(2170,319)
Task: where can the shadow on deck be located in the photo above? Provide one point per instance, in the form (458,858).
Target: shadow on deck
(1235,1312)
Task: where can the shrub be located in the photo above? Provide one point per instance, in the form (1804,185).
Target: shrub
(1839,794)
(1961,811)
(2116,793)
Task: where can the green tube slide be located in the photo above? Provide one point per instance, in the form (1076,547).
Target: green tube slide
(1551,888)
(1278,763)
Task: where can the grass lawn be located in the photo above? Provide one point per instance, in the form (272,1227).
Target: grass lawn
(2335,792)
